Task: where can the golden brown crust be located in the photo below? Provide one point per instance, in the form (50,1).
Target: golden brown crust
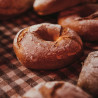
(47,46)
(44,7)
(56,89)
(83,19)
(88,79)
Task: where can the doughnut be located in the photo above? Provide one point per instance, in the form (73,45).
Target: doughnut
(10,8)
(88,79)
(82,19)
(56,89)
(47,46)
(45,7)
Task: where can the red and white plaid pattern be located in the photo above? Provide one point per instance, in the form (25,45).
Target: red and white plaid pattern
(16,79)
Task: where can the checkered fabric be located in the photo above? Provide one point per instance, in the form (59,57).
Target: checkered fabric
(16,79)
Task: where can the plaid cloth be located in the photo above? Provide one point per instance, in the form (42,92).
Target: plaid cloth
(16,79)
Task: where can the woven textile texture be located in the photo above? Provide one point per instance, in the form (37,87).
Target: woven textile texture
(16,79)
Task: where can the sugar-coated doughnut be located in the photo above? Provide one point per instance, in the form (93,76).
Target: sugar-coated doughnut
(47,46)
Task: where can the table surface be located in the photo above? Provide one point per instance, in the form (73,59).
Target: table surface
(16,79)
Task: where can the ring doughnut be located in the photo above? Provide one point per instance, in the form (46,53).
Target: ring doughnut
(45,7)
(82,19)
(47,46)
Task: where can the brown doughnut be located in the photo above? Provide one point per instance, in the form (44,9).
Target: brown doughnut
(56,89)
(44,7)
(82,19)
(88,79)
(10,8)
(47,46)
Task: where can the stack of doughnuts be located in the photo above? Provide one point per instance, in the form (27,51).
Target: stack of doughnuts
(49,46)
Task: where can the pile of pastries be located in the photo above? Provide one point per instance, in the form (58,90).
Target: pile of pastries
(49,46)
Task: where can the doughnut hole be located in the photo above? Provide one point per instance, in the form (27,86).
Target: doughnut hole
(48,36)
(49,33)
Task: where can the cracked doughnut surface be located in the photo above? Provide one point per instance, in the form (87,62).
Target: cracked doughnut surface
(47,46)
